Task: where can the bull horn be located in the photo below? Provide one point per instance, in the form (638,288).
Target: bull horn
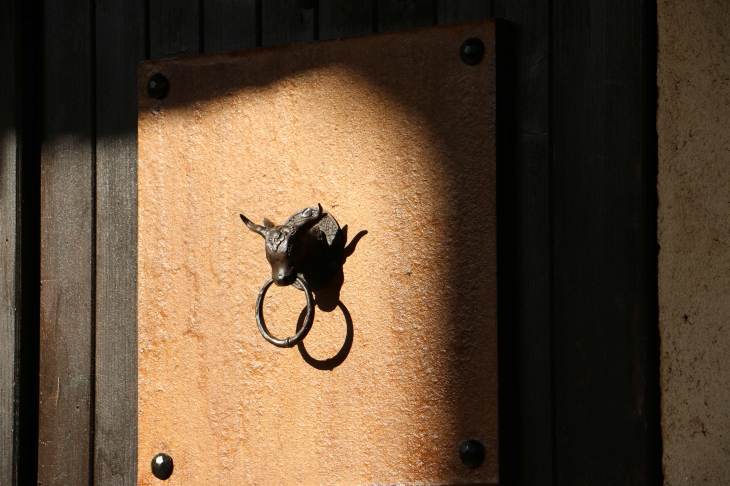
(253,226)
(309,221)
(317,215)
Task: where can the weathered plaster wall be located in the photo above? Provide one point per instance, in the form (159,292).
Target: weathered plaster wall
(693,124)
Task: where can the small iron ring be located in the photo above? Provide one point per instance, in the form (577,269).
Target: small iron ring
(292,340)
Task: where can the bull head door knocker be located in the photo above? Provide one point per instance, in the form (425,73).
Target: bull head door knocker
(306,251)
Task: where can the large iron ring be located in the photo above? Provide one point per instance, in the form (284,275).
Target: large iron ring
(293,340)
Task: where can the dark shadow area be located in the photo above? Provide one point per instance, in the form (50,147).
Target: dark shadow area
(603,207)
(507,238)
(327,299)
(350,248)
(652,363)
(29,66)
(330,363)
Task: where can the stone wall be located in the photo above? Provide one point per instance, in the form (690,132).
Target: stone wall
(693,124)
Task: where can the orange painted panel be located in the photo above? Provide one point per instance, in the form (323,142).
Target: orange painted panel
(394,135)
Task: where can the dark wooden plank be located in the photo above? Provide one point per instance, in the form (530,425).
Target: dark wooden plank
(603,171)
(526,431)
(174,28)
(406,14)
(120,45)
(451,11)
(229,25)
(8,247)
(285,22)
(338,19)
(67,249)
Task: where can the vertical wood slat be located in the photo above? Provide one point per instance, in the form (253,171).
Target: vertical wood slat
(406,14)
(605,329)
(451,11)
(8,247)
(120,45)
(339,19)
(67,248)
(526,425)
(174,28)
(285,22)
(229,25)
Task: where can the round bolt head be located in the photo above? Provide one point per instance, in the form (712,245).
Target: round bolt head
(162,466)
(472,51)
(471,453)
(307,4)
(157,86)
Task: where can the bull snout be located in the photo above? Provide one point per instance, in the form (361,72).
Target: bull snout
(283,276)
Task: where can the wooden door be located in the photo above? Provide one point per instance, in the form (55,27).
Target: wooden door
(577,364)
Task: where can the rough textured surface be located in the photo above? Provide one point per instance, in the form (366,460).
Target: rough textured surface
(693,123)
(394,135)
(120,41)
(66,378)
(8,248)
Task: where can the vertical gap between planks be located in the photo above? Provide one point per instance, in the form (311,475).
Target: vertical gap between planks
(374,20)
(551,226)
(257,13)
(29,64)
(650,137)
(315,20)
(201,26)
(147,42)
(92,142)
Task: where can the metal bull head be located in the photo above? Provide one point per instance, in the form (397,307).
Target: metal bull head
(309,244)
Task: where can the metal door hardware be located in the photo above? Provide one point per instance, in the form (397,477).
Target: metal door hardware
(158,86)
(162,466)
(472,51)
(306,251)
(471,453)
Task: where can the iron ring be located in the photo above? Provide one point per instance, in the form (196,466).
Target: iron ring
(292,340)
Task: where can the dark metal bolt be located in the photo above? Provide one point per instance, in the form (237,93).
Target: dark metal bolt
(307,4)
(162,466)
(472,51)
(157,86)
(471,453)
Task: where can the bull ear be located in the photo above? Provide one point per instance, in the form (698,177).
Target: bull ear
(309,220)
(254,227)
(268,223)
